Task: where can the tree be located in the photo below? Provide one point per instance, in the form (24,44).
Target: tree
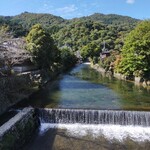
(42,47)
(91,50)
(68,59)
(136,52)
(4,33)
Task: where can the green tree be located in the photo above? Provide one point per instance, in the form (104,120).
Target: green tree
(4,33)
(42,47)
(68,59)
(91,50)
(136,52)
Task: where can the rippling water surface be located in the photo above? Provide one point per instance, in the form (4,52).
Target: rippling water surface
(83,87)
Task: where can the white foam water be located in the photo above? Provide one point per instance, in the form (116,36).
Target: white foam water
(87,63)
(111,117)
(111,132)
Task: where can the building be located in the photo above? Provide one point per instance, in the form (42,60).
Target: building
(105,52)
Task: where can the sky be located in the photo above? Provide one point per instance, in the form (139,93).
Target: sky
(77,8)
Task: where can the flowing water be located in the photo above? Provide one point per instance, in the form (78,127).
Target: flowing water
(83,87)
(61,116)
(85,110)
(78,129)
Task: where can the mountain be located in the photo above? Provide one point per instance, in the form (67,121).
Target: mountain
(29,19)
(74,33)
(86,35)
(21,24)
(111,19)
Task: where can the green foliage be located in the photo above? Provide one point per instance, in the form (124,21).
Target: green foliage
(4,33)
(85,34)
(42,47)
(77,31)
(90,50)
(20,25)
(106,63)
(136,52)
(68,59)
(27,20)
(14,27)
(112,19)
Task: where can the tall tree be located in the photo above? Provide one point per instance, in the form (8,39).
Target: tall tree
(136,52)
(68,59)
(90,50)
(41,45)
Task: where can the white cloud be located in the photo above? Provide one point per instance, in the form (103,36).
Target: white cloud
(45,5)
(67,9)
(130,1)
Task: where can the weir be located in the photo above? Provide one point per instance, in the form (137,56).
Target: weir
(114,117)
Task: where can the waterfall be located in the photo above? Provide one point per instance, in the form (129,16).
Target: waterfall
(114,117)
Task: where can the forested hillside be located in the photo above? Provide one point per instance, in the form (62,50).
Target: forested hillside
(21,24)
(52,43)
(86,35)
(25,21)
(112,19)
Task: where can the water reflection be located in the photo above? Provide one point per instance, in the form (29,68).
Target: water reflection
(84,87)
(131,96)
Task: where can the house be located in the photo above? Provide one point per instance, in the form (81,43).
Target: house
(105,52)
(13,55)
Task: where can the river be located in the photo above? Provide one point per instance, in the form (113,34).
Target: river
(75,127)
(84,87)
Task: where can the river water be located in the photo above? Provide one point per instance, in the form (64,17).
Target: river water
(82,89)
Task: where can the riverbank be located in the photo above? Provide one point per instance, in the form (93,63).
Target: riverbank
(22,86)
(136,80)
(15,88)
(84,87)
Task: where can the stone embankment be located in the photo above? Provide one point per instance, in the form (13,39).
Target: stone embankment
(18,130)
(136,80)
(15,88)
(98,68)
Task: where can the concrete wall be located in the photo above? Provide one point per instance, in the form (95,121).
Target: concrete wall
(18,130)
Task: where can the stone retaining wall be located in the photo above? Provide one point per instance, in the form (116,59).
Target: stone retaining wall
(120,76)
(18,130)
(15,88)
(98,68)
(136,80)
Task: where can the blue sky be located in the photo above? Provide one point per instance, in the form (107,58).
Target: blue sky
(77,8)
